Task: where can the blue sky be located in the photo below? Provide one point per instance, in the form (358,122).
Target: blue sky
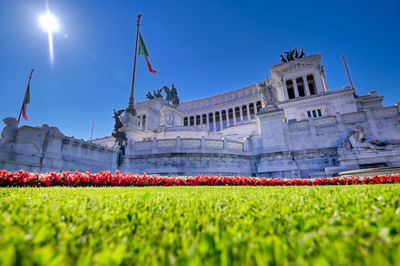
(204,47)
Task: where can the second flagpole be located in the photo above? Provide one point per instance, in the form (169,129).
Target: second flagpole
(131,107)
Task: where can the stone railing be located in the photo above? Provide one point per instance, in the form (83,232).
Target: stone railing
(186,145)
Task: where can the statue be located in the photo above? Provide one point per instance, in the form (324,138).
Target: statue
(157,93)
(302,54)
(357,139)
(296,53)
(120,137)
(292,54)
(171,95)
(149,96)
(9,131)
(266,92)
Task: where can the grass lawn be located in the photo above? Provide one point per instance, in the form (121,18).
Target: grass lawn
(321,225)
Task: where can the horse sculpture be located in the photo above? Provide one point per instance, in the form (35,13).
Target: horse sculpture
(171,95)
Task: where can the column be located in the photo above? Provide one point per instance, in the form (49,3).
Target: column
(241,113)
(296,90)
(195,120)
(255,108)
(141,121)
(306,88)
(221,125)
(234,116)
(208,122)
(214,123)
(285,93)
(227,117)
(248,112)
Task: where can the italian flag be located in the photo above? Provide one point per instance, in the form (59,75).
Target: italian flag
(26,101)
(143,51)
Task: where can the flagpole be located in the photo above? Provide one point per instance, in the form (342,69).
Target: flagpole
(131,107)
(29,81)
(347,70)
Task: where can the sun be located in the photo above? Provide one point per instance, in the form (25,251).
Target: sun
(49,23)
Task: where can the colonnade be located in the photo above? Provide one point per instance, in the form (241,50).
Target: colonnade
(300,87)
(218,120)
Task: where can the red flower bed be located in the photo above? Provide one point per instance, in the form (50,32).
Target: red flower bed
(79,179)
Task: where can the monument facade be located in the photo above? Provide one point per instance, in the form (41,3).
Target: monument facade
(290,125)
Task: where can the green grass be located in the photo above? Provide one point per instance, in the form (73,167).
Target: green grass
(344,225)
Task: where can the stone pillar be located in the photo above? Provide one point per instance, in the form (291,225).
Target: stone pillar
(207,122)
(214,123)
(272,132)
(285,93)
(306,88)
(178,144)
(296,90)
(241,113)
(255,108)
(141,122)
(221,125)
(234,116)
(227,117)
(195,120)
(248,111)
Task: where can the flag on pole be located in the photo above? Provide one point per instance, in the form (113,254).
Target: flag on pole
(143,51)
(27,99)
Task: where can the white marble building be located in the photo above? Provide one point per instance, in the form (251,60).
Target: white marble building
(288,126)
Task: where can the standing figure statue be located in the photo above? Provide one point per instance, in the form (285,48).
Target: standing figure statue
(266,92)
(296,53)
(120,137)
(171,95)
(302,54)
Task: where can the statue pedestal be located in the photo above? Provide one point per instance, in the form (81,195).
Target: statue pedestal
(271,123)
(170,116)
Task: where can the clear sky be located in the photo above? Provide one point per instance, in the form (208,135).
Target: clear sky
(204,47)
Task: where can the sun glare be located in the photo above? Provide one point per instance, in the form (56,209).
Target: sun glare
(49,22)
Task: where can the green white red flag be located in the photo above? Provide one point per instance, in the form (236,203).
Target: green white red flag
(143,51)
(27,100)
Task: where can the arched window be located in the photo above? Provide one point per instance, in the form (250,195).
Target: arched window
(185,122)
(290,89)
(230,117)
(311,84)
(237,114)
(192,121)
(198,120)
(251,111)
(210,121)
(204,119)
(300,86)
(258,106)
(244,112)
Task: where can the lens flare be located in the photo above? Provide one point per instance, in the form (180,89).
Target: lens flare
(50,24)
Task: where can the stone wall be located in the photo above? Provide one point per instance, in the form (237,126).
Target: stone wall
(46,149)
